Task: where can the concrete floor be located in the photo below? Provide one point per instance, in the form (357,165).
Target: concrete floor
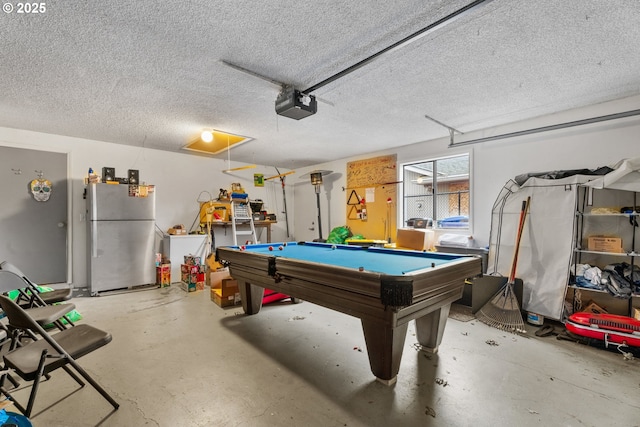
(177,359)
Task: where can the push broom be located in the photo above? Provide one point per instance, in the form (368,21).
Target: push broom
(503,311)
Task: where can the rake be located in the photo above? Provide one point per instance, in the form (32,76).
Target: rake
(503,311)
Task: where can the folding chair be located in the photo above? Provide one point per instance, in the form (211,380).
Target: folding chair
(43,314)
(38,358)
(37,296)
(33,296)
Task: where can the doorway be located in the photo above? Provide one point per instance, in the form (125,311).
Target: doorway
(33,213)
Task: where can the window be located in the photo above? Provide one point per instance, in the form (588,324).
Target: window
(438,191)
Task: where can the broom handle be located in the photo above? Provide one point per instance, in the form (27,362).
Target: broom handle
(515,249)
(523,216)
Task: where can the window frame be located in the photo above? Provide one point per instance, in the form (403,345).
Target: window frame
(404,215)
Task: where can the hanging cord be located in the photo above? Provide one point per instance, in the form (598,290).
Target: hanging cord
(626,354)
(198,200)
(228,154)
(577,300)
(209,218)
(160,231)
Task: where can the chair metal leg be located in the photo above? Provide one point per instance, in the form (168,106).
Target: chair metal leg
(12,380)
(36,383)
(65,317)
(93,382)
(73,375)
(60,325)
(18,406)
(6,374)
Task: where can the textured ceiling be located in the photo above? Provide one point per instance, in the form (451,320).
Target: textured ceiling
(148,73)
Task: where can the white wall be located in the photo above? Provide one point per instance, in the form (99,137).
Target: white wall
(332,201)
(493,163)
(179,179)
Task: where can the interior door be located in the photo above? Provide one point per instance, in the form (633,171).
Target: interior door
(34,233)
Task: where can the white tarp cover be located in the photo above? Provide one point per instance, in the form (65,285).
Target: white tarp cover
(548,238)
(626,176)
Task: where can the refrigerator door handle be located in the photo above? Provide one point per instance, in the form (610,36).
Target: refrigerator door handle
(93,203)
(94,239)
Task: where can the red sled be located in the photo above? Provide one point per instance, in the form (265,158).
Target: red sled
(610,328)
(273,296)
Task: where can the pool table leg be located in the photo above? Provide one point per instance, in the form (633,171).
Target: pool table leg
(430,328)
(384,348)
(251,296)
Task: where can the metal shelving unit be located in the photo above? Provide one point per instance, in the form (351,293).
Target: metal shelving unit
(624,225)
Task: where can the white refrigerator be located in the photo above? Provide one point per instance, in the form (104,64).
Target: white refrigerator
(120,236)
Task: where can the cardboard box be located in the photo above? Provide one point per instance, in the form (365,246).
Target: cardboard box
(192,260)
(191,277)
(228,287)
(592,307)
(187,286)
(215,277)
(163,275)
(416,239)
(192,282)
(230,300)
(605,244)
(192,269)
(177,230)
(192,286)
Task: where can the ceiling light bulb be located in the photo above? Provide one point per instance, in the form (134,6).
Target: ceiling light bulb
(206,136)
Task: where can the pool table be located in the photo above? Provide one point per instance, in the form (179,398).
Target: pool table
(384,288)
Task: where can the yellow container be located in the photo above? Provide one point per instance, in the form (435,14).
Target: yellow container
(213,211)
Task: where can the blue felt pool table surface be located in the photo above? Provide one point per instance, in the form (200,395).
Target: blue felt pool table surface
(372,259)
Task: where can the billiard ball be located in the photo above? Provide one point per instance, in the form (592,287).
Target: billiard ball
(333,247)
(360,268)
(270,248)
(284,244)
(243,247)
(280,247)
